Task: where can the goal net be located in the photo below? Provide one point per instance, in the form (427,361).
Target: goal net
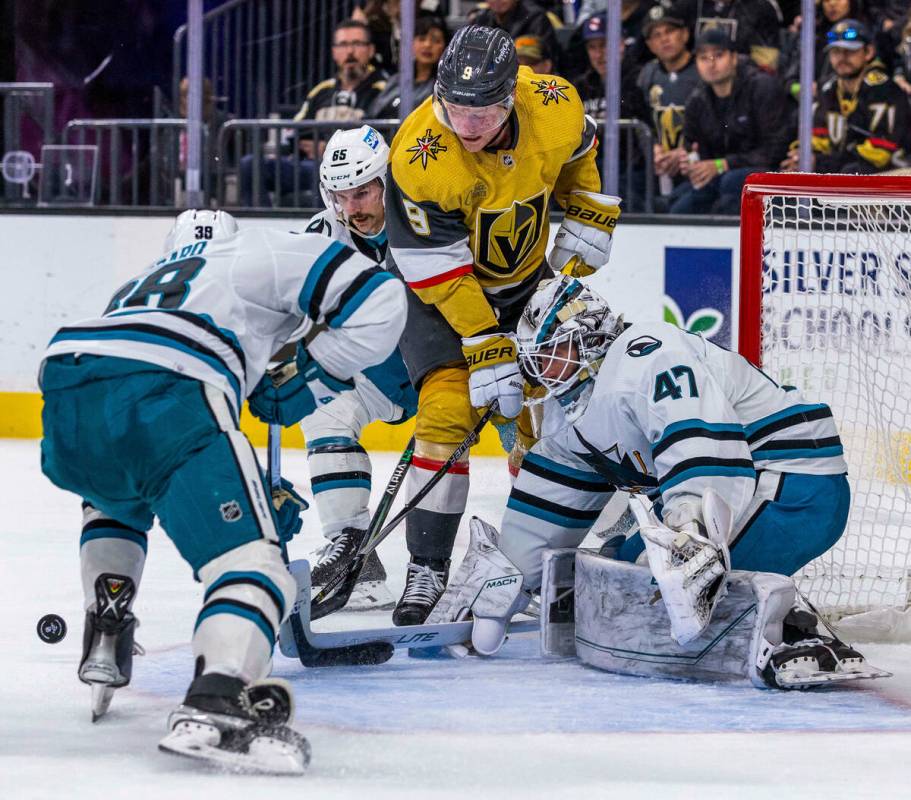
(825,305)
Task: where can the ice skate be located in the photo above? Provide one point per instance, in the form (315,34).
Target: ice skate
(424,585)
(370,592)
(107,642)
(237,727)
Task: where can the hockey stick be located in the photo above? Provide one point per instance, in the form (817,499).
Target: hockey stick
(353,570)
(326,602)
(360,653)
(411,636)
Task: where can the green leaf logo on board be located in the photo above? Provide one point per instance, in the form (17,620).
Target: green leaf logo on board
(705,321)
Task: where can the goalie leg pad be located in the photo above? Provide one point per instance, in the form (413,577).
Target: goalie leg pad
(621,627)
(488,586)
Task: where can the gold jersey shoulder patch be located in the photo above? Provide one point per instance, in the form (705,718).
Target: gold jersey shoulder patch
(875,77)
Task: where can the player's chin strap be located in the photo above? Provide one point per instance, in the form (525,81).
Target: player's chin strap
(689,567)
(487,587)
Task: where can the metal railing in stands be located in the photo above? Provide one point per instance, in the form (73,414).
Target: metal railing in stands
(140,158)
(263,56)
(21,101)
(253,148)
(265,165)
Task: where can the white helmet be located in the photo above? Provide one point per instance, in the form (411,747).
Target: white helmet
(565,312)
(199,224)
(352,158)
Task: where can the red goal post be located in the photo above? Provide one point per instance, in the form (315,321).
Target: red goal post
(825,305)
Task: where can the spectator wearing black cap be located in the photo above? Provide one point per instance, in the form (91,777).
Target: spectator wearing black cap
(666,82)
(733,126)
(861,119)
(755,25)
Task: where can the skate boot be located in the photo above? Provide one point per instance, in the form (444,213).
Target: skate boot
(370,592)
(424,585)
(238,727)
(808,658)
(107,641)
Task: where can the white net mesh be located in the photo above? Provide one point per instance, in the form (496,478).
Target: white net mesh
(836,323)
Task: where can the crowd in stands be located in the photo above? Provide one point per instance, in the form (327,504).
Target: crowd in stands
(717,81)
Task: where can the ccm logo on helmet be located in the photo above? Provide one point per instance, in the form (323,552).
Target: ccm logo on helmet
(497,582)
(606,221)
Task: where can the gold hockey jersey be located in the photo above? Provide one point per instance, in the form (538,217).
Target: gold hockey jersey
(465,229)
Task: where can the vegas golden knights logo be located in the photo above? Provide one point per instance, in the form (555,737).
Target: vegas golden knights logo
(506,236)
(669,124)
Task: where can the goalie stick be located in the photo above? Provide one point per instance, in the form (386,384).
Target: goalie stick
(365,651)
(410,636)
(328,599)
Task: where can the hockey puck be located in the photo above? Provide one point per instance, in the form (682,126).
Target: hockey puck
(51,628)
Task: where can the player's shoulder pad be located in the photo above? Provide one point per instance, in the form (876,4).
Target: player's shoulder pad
(322,223)
(875,77)
(427,160)
(550,107)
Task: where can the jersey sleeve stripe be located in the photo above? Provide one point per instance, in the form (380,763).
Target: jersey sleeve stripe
(706,466)
(565,476)
(436,280)
(785,419)
(550,512)
(314,289)
(354,296)
(697,430)
(589,139)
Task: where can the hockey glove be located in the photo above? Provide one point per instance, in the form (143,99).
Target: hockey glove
(493,373)
(323,386)
(282,396)
(289,506)
(587,231)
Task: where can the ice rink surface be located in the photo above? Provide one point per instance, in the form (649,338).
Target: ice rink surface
(511,726)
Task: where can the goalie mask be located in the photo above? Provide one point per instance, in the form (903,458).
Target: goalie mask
(353,158)
(563,334)
(198,224)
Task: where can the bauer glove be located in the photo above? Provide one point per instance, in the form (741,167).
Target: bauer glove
(493,373)
(586,233)
(289,506)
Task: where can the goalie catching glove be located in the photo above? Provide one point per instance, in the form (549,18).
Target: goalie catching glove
(583,242)
(493,372)
(689,560)
(487,587)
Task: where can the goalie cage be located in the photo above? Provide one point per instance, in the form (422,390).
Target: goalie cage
(825,305)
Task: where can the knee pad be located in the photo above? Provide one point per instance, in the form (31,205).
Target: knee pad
(107,545)
(340,480)
(248,593)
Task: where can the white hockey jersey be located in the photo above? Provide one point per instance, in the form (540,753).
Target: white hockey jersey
(670,414)
(328,224)
(218,310)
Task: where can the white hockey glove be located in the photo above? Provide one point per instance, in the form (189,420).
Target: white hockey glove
(583,242)
(488,586)
(688,563)
(493,372)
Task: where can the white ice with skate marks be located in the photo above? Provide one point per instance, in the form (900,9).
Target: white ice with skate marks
(409,728)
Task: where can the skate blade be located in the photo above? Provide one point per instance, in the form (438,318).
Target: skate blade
(266,756)
(102,694)
(848,672)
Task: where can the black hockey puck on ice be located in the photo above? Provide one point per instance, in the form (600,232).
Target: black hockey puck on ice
(51,628)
